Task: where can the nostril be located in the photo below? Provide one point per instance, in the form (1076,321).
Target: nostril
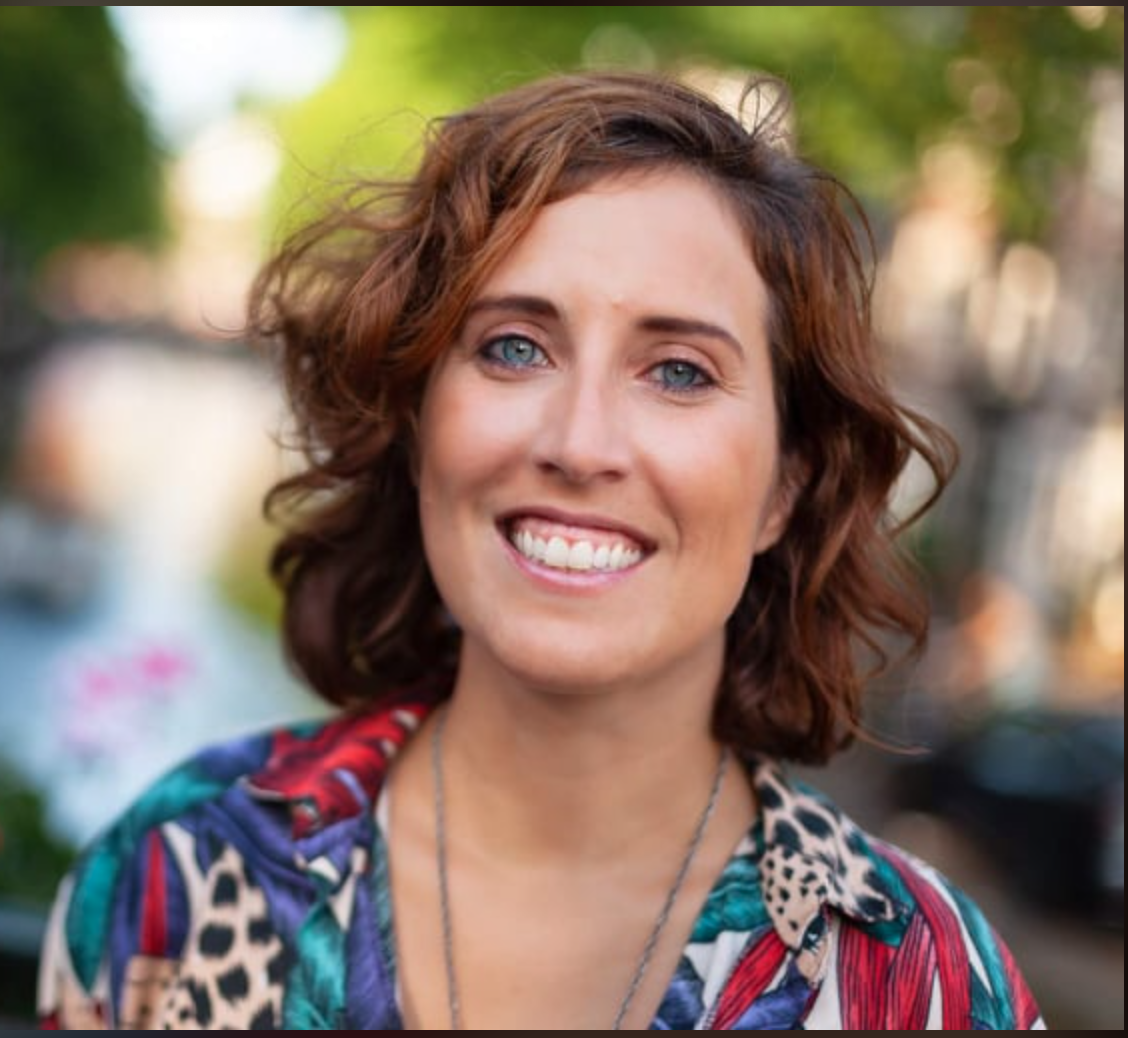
(580,436)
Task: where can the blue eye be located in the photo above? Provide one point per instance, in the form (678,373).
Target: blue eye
(514,351)
(680,376)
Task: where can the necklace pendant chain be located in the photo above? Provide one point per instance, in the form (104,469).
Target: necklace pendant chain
(453,998)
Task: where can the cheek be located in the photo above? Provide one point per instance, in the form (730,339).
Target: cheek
(723,509)
(449,430)
(468,441)
(722,479)
(475,436)
(457,458)
(727,528)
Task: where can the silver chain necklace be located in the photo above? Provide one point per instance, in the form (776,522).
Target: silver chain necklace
(453,998)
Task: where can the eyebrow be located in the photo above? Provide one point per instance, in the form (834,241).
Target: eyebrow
(536,306)
(691,326)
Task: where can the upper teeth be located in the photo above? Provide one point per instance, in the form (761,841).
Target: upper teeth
(557,553)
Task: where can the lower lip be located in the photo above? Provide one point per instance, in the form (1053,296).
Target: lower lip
(568,580)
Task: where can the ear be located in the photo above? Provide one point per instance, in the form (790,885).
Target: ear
(791,481)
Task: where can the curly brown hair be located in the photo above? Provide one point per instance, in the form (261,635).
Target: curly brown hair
(363,303)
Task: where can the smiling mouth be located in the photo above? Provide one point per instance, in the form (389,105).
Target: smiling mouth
(573,550)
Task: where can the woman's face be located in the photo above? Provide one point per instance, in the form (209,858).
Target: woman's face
(599,458)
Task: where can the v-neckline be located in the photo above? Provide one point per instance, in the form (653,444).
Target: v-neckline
(748,852)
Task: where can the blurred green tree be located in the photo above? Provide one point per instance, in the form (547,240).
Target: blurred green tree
(875,87)
(32,860)
(78,160)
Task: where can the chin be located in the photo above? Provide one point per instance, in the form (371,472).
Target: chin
(569,675)
(576,668)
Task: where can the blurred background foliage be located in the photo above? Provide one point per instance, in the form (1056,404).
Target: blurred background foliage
(79,153)
(31,858)
(874,87)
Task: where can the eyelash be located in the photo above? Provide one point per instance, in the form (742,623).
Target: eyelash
(702,379)
(490,353)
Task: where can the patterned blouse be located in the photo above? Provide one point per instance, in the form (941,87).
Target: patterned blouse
(248,889)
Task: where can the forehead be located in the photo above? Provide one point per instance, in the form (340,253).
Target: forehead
(666,239)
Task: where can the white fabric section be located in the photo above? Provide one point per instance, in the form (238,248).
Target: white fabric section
(342,901)
(384,824)
(936,1006)
(54,958)
(715,962)
(183,849)
(326,869)
(826,1014)
(408,721)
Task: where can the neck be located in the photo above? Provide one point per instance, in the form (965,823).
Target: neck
(588,776)
(571,807)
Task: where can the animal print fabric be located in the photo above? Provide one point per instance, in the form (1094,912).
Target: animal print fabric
(248,890)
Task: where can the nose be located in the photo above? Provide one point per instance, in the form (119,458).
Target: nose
(583,435)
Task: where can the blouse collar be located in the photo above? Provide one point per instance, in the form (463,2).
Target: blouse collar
(816,860)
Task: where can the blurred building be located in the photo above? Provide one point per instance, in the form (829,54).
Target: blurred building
(218,188)
(1019,349)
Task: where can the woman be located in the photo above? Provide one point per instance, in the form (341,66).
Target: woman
(593,527)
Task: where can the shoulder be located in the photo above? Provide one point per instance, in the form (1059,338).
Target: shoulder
(944,942)
(243,834)
(889,942)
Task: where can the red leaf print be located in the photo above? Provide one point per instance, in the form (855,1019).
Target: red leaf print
(749,981)
(863,968)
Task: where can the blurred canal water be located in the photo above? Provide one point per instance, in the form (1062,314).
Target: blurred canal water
(129,527)
(98,701)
